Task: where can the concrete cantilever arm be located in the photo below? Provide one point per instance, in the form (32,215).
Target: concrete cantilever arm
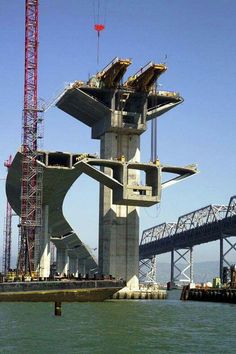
(56,183)
(157,111)
(183,172)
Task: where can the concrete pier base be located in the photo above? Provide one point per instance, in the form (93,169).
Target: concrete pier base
(143,293)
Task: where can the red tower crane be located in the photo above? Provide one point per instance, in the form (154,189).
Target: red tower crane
(6,257)
(31,182)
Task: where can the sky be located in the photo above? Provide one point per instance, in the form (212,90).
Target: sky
(196,39)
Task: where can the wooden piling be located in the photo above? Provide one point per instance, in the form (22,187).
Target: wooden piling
(57,311)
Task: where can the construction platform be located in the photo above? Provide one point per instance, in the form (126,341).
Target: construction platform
(145,292)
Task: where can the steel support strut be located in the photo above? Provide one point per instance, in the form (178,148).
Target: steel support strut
(148,270)
(227,247)
(181,266)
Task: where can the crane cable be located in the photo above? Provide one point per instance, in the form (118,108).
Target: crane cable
(98,25)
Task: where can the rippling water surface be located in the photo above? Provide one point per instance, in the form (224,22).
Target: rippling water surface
(154,326)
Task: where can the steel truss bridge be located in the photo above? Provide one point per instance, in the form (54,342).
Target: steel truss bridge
(213,222)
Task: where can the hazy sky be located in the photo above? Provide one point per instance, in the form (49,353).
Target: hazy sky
(198,38)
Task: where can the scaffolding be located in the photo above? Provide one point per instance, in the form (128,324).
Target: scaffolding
(7,233)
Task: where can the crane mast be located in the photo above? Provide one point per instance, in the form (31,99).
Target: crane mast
(6,259)
(31,182)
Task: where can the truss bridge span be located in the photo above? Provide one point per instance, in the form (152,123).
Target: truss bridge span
(211,223)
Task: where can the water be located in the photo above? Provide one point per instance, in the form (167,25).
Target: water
(154,326)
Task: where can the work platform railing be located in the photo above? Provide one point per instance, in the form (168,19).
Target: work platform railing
(211,223)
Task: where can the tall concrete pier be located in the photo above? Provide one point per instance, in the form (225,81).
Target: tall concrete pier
(119,224)
(117,114)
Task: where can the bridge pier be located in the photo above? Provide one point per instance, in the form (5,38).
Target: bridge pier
(117,115)
(227,246)
(44,261)
(148,270)
(62,260)
(185,270)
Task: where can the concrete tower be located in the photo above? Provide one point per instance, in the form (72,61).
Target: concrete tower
(117,114)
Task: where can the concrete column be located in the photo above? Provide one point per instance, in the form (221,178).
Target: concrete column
(82,267)
(73,265)
(221,257)
(44,262)
(118,224)
(172,267)
(62,261)
(191,264)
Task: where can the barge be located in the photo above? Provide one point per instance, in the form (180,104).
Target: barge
(60,291)
(225,292)
(209,294)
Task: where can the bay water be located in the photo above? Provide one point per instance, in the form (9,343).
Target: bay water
(119,326)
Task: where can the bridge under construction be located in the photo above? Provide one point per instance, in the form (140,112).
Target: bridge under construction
(117,114)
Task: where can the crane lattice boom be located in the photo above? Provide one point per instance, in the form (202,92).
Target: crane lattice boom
(31,186)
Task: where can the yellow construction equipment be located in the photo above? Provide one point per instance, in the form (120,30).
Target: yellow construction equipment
(146,77)
(112,74)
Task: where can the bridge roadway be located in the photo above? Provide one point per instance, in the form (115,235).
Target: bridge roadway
(201,226)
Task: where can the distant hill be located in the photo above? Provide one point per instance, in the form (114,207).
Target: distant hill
(202,271)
